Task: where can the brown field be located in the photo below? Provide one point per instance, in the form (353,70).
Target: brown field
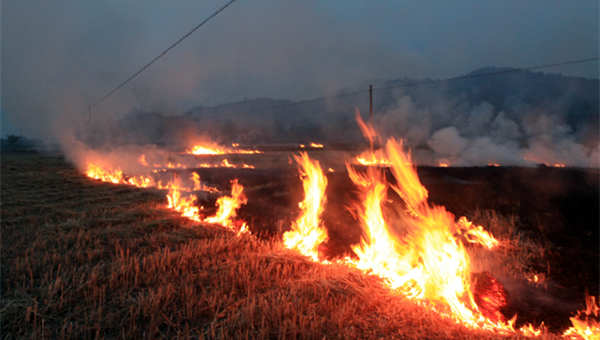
(84,259)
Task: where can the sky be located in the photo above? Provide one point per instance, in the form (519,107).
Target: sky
(60,56)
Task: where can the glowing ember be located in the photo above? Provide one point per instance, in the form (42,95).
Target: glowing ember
(307,232)
(316,145)
(586,324)
(302,146)
(227,207)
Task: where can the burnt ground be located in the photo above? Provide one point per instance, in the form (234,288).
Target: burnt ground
(555,207)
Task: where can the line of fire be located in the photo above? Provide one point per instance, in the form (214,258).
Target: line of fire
(417,248)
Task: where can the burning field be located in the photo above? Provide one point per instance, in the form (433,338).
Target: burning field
(301,241)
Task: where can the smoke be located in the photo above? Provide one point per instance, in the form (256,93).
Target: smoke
(59,58)
(482,134)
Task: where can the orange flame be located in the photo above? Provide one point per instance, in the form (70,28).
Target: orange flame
(316,145)
(227,209)
(428,260)
(375,158)
(96,172)
(586,324)
(307,232)
(443,163)
(185,205)
(225,163)
(142,160)
(116,176)
(214,149)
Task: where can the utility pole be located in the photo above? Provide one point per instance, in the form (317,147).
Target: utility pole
(370,102)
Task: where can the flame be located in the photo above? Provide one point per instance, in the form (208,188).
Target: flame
(116,176)
(225,163)
(302,146)
(531,331)
(227,209)
(375,158)
(494,164)
(316,145)
(214,149)
(142,160)
(428,260)
(443,163)
(96,172)
(185,205)
(533,158)
(307,232)
(586,324)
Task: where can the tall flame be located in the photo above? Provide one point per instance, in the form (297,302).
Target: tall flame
(586,324)
(427,260)
(307,232)
(227,209)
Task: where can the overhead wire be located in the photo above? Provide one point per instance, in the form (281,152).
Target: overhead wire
(160,55)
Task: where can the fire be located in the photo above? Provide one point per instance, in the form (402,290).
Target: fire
(559,165)
(419,249)
(302,146)
(225,163)
(427,260)
(116,176)
(586,324)
(214,149)
(206,150)
(307,232)
(372,159)
(96,172)
(227,209)
(316,145)
(494,164)
(531,331)
(443,163)
(185,205)
(142,160)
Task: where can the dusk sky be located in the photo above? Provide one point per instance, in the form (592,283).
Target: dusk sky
(60,56)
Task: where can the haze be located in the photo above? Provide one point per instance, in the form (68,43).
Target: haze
(60,56)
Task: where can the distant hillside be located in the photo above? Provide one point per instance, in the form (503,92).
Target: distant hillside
(514,110)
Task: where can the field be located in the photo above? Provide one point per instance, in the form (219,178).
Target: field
(84,259)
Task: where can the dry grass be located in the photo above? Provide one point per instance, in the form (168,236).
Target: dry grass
(82,259)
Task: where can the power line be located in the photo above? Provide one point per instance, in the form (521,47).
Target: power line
(433,83)
(165,51)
